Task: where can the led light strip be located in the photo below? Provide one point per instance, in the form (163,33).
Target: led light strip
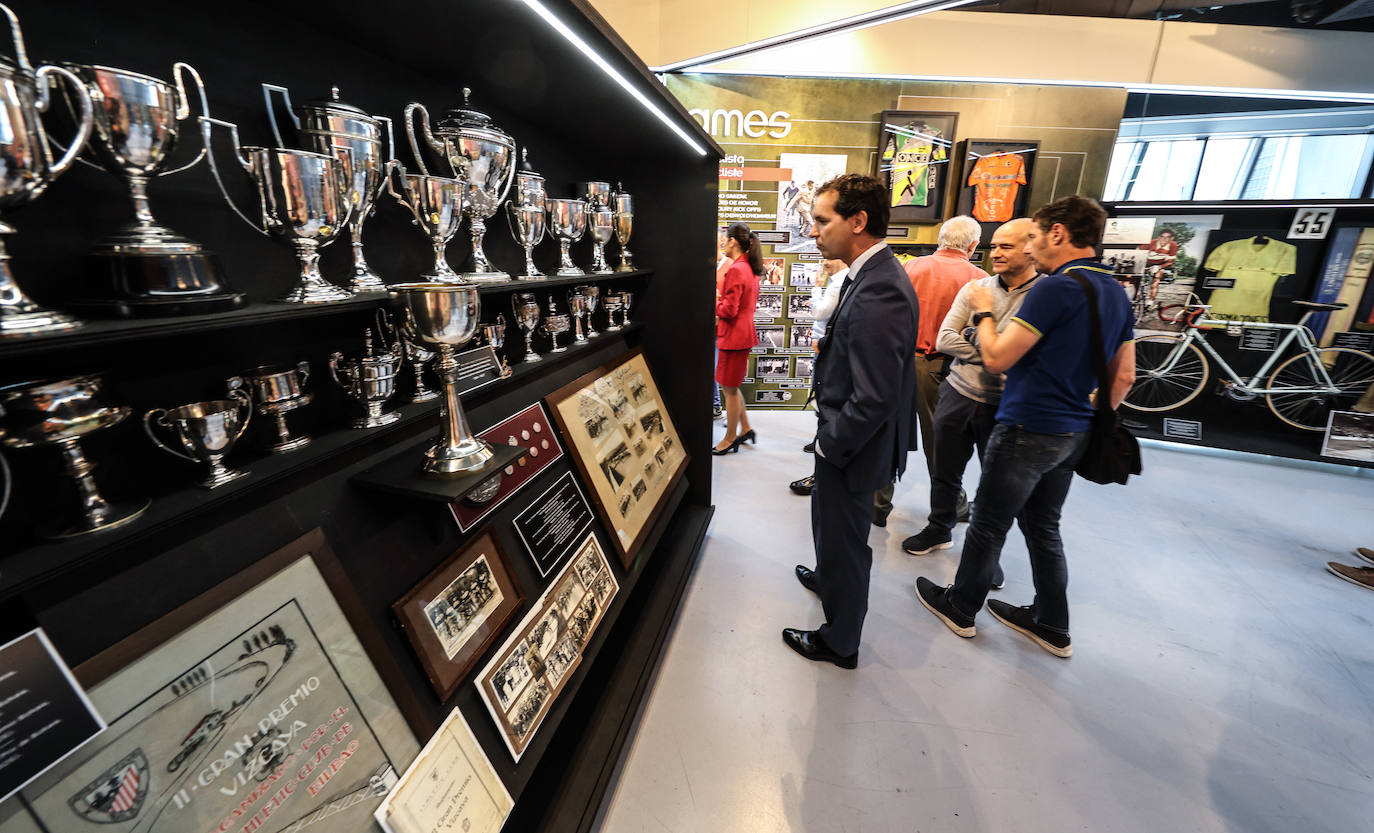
(586,49)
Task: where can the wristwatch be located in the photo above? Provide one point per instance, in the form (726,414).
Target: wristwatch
(979,316)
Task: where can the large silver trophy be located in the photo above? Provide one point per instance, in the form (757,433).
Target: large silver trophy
(206,432)
(60,412)
(446,316)
(624,206)
(27,168)
(370,379)
(600,221)
(303,201)
(526,309)
(146,268)
(567,222)
(437,204)
(483,155)
(326,124)
(277,391)
(525,214)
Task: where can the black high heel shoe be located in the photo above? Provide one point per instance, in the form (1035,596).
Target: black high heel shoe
(748,436)
(732,447)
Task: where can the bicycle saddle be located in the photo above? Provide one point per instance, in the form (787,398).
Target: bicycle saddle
(1316,305)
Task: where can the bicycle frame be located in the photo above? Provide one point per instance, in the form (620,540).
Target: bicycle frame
(1296,332)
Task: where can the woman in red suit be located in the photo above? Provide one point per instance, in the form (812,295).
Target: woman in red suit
(736,297)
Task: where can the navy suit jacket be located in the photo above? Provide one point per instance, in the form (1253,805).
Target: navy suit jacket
(865,376)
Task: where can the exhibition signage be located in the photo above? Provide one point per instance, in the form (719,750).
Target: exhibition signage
(1311,223)
(552,525)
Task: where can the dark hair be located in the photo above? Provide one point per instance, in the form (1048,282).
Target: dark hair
(855,193)
(1082,217)
(749,244)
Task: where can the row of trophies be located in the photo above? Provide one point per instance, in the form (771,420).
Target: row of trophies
(436,319)
(128,124)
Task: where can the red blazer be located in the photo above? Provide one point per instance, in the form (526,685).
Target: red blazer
(739,294)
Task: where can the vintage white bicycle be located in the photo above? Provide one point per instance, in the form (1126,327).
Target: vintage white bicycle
(1171,369)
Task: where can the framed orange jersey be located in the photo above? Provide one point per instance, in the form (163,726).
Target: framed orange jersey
(996,179)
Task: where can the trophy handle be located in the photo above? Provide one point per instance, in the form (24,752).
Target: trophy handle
(234,383)
(411,108)
(334,360)
(21,55)
(161,416)
(512,221)
(245,402)
(510,178)
(183,106)
(345,180)
(393,169)
(86,119)
(267,90)
(5,485)
(390,136)
(207,125)
(303,368)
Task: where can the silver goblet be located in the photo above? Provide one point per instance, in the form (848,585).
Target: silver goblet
(596,194)
(370,379)
(446,316)
(495,335)
(593,295)
(555,324)
(277,391)
(624,207)
(526,309)
(601,224)
(418,356)
(627,300)
(614,303)
(437,203)
(577,307)
(525,214)
(567,222)
(207,431)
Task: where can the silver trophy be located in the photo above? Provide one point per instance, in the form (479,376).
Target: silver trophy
(206,431)
(326,124)
(303,201)
(601,225)
(446,316)
(483,155)
(27,168)
(596,194)
(60,412)
(627,300)
(526,309)
(556,324)
(418,356)
(624,206)
(370,379)
(525,214)
(437,204)
(592,294)
(495,335)
(577,307)
(277,391)
(567,223)
(613,304)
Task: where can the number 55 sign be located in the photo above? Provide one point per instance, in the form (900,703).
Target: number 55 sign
(1311,223)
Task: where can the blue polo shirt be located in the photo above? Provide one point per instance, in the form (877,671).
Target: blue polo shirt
(1047,390)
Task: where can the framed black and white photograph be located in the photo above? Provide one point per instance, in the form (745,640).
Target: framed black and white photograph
(1349,436)
(770,336)
(805,367)
(1125,261)
(772,367)
(801,335)
(803,275)
(915,152)
(768,307)
(799,307)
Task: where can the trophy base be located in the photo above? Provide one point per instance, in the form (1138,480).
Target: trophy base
(34,322)
(570,272)
(486,277)
(220,478)
(465,458)
(151,307)
(623,268)
(115,515)
(289,445)
(364,281)
(538,277)
(375,422)
(533,357)
(562,349)
(315,293)
(605,270)
(427,396)
(128,276)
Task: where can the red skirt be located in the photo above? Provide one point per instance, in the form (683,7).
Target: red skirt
(731,367)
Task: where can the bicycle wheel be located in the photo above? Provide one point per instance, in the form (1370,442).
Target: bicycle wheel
(1350,371)
(1168,373)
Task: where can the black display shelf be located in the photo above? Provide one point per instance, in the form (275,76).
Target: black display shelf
(101,332)
(401,475)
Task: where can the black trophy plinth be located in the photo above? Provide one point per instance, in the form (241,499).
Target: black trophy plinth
(402,475)
(126,284)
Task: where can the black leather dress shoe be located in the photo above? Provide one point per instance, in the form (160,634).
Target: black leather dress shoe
(810,646)
(807,577)
(809,448)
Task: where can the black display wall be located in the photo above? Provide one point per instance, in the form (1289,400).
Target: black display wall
(578,124)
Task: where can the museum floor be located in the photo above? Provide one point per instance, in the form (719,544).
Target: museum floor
(1222,680)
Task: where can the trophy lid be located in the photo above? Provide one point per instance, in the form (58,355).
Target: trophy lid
(525,171)
(334,105)
(466,118)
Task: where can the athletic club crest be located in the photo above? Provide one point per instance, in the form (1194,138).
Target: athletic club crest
(117,795)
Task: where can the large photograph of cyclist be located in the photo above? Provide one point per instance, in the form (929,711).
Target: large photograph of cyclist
(1166,280)
(915,157)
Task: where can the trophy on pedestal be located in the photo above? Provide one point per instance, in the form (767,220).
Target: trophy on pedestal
(437,204)
(145,268)
(27,168)
(526,309)
(624,206)
(495,335)
(592,294)
(627,300)
(277,391)
(577,306)
(600,221)
(326,124)
(60,412)
(370,379)
(445,316)
(207,431)
(555,324)
(303,201)
(614,303)
(418,356)
(525,214)
(480,152)
(567,222)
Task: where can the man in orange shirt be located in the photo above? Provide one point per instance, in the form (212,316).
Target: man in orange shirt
(937,279)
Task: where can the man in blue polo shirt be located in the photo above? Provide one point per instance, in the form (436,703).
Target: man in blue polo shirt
(1042,422)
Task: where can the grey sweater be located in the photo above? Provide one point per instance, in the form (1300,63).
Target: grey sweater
(966,373)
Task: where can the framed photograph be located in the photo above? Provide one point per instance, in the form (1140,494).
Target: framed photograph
(806,366)
(772,279)
(995,179)
(768,307)
(915,150)
(799,307)
(772,367)
(797,195)
(1349,436)
(456,613)
(803,275)
(533,666)
(254,700)
(801,335)
(770,336)
(634,459)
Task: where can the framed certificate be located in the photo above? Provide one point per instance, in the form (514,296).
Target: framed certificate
(451,788)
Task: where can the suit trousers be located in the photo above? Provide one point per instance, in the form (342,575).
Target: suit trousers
(839,527)
(930,373)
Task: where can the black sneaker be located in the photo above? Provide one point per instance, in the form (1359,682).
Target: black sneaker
(934,597)
(928,540)
(809,448)
(1019,619)
(802,487)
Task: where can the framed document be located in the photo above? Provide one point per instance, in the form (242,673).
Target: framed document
(457,612)
(915,150)
(534,665)
(252,706)
(625,445)
(451,788)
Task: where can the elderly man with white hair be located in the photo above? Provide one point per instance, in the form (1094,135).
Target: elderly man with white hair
(937,279)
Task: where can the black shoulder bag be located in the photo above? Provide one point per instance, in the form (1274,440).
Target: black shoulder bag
(1112,454)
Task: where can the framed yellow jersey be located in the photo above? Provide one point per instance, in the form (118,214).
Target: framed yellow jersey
(915,152)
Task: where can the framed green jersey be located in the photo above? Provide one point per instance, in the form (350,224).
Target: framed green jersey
(914,160)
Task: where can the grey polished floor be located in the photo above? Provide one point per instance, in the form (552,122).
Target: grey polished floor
(1222,680)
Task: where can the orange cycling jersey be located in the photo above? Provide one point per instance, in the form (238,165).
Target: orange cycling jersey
(997,176)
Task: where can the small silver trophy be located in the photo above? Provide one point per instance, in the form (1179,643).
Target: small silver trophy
(600,221)
(276,392)
(206,431)
(627,300)
(526,309)
(592,293)
(567,222)
(624,206)
(495,335)
(437,204)
(614,303)
(418,356)
(577,307)
(555,324)
(525,214)
(370,379)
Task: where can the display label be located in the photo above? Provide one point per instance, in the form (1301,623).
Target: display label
(1218,283)
(529,428)
(477,368)
(44,715)
(896,232)
(1182,429)
(1259,338)
(1311,223)
(1128,230)
(772,397)
(773,237)
(552,525)
(1353,340)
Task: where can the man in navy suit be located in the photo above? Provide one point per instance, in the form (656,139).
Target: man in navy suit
(865,385)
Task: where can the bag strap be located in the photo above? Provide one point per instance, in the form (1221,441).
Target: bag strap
(1104,398)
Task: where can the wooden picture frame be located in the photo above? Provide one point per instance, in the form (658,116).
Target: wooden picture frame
(914,160)
(991,208)
(444,635)
(626,446)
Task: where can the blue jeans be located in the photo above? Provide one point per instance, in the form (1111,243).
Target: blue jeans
(1026,477)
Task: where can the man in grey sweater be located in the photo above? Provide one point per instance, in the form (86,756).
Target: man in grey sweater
(967,407)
